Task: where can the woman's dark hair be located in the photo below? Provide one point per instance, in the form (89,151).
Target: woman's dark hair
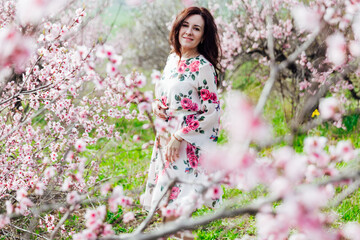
(210,46)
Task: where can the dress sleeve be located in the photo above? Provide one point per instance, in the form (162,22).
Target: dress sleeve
(201,129)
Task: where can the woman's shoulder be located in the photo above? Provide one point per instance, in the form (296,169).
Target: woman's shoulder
(205,64)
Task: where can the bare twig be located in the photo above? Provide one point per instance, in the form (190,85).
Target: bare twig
(143,225)
(344,194)
(27,231)
(189,223)
(62,220)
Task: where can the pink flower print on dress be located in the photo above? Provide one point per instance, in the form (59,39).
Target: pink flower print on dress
(194,125)
(174,193)
(205,94)
(164,101)
(182,67)
(194,66)
(190,149)
(194,107)
(189,119)
(186,130)
(213,97)
(186,103)
(193,161)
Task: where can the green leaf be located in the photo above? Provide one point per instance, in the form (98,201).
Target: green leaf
(175,167)
(204,81)
(193,76)
(202,131)
(182,78)
(181,95)
(201,118)
(191,170)
(177,98)
(190,92)
(179,108)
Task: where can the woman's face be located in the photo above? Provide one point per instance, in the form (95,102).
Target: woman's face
(191,33)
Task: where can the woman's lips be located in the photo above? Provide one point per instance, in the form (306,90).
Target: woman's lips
(188,39)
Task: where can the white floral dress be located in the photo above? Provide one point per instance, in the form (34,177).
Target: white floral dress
(188,89)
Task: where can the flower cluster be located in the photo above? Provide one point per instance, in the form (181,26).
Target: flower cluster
(95,225)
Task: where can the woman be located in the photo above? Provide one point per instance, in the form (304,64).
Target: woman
(187,92)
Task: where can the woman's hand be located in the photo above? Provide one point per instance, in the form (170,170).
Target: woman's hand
(159,109)
(172,149)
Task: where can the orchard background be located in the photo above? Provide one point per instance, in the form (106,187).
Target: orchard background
(76,128)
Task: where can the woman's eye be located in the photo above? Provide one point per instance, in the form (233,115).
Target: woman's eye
(197,29)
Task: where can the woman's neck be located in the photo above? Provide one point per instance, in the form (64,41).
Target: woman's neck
(189,54)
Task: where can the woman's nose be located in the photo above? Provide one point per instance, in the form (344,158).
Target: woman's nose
(188,31)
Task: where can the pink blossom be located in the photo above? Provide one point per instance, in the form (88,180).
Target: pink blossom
(72,198)
(280,187)
(136,138)
(356,27)
(241,121)
(39,189)
(4,220)
(111,69)
(188,3)
(144,107)
(105,188)
(38,10)
(354,48)
(214,192)
(336,49)
(21,194)
(80,145)
(129,216)
(194,66)
(87,234)
(186,103)
(140,80)
(107,232)
(155,76)
(330,108)
(9,207)
(134,3)
(314,144)
(115,198)
(169,211)
(303,85)
(271,226)
(345,150)
(15,49)
(50,172)
(306,19)
(351,230)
